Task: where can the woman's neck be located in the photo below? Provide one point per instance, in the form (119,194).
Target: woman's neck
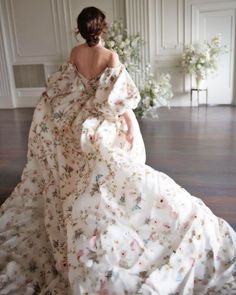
(97,45)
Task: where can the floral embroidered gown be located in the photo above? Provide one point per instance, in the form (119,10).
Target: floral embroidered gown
(89,217)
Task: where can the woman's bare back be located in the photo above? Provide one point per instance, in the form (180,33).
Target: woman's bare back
(91,61)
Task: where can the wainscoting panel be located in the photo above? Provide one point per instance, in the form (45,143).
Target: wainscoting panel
(34,30)
(169,27)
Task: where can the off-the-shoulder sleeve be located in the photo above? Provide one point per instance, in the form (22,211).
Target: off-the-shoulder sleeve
(62,82)
(116,92)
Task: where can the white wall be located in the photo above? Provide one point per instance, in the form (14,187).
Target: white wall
(40,32)
(174,23)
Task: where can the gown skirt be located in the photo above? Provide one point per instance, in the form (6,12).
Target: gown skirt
(89,217)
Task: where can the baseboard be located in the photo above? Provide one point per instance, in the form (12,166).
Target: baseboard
(28,97)
(26,102)
(6,102)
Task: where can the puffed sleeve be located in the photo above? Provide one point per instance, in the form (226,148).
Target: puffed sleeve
(61,82)
(116,92)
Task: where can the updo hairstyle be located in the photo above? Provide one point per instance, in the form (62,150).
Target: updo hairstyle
(91,23)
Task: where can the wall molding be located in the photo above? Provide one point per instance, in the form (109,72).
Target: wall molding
(165,45)
(191,7)
(66,12)
(7,95)
(118,9)
(19,57)
(137,20)
(5,89)
(163,50)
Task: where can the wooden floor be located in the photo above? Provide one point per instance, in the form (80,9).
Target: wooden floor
(196,147)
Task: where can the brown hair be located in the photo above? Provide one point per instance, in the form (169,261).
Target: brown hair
(91,23)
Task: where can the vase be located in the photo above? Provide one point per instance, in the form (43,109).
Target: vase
(199,81)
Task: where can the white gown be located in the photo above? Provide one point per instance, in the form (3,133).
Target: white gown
(89,217)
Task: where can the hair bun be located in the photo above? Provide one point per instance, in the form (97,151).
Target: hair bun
(91,24)
(92,40)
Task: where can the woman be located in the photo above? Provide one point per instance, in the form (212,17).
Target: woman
(89,217)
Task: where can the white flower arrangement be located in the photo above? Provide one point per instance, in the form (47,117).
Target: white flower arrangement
(202,60)
(127,47)
(153,93)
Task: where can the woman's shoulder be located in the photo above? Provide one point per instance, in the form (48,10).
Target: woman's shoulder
(113,59)
(75,50)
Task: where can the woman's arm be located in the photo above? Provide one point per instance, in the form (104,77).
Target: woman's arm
(130,131)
